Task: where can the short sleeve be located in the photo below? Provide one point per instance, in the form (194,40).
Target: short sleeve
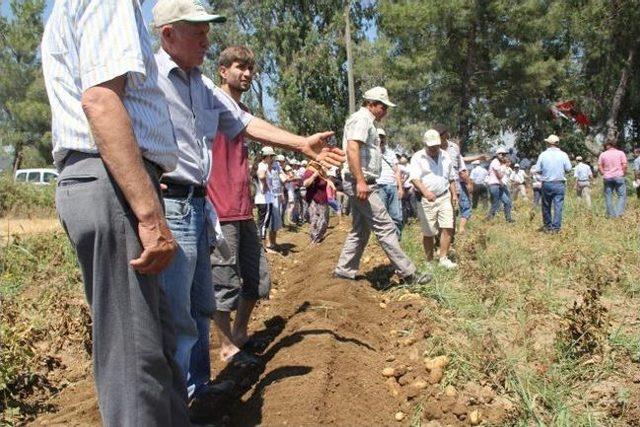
(415,171)
(109,41)
(357,129)
(232,118)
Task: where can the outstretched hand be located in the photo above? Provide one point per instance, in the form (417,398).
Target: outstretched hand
(317,148)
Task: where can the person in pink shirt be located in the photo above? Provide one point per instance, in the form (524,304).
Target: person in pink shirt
(612,164)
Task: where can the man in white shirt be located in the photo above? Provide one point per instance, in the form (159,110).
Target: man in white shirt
(263,198)
(432,173)
(112,138)
(479,176)
(583,175)
(390,182)
(518,178)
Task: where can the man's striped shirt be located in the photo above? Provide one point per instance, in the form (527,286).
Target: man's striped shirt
(88,42)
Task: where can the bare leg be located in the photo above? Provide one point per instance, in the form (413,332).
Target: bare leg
(445,241)
(223,327)
(241,323)
(428,244)
(463,225)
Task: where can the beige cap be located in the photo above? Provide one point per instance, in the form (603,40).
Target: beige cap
(431,138)
(267,151)
(579,158)
(280,158)
(552,139)
(381,132)
(501,150)
(169,11)
(304,163)
(378,94)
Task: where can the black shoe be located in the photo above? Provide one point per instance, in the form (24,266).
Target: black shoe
(417,278)
(210,403)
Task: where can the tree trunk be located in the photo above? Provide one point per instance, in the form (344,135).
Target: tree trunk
(17,157)
(618,97)
(464,128)
(347,43)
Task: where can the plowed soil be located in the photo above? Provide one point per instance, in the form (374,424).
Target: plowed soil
(329,342)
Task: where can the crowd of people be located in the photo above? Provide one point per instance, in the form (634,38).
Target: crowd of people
(157,193)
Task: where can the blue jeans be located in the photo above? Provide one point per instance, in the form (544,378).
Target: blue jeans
(499,194)
(464,201)
(188,285)
(389,195)
(552,198)
(619,186)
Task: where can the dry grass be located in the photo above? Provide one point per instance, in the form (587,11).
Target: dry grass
(549,320)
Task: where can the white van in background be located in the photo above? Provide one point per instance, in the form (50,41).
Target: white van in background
(39,176)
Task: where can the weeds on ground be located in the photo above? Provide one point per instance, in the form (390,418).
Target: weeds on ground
(43,311)
(543,319)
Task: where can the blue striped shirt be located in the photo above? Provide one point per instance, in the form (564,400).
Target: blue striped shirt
(198,110)
(89,42)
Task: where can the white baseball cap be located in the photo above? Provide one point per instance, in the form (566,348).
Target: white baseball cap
(169,11)
(579,158)
(381,132)
(267,151)
(378,94)
(431,138)
(475,162)
(552,139)
(304,163)
(501,150)
(280,158)
(517,165)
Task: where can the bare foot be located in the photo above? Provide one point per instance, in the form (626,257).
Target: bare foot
(227,352)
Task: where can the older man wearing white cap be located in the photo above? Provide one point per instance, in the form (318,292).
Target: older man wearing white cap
(362,145)
(553,164)
(198,111)
(433,174)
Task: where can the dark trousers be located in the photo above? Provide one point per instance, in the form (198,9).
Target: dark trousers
(137,378)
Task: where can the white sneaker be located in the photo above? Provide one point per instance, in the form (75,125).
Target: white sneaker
(447,263)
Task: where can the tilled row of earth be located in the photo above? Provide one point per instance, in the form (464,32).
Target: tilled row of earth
(339,352)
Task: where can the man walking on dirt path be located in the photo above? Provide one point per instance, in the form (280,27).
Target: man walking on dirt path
(553,164)
(198,111)
(612,165)
(112,138)
(361,143)
(241,277)
(583,176)
(433,174)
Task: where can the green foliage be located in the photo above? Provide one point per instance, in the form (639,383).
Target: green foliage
(300,54)
(24,109)
(42,311)
(25,200)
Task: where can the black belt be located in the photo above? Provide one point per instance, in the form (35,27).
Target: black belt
(180,191)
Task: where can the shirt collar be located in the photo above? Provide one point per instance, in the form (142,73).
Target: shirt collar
(366,111)
(166,64)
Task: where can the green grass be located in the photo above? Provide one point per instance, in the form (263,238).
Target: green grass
(505,315)
(21,200)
